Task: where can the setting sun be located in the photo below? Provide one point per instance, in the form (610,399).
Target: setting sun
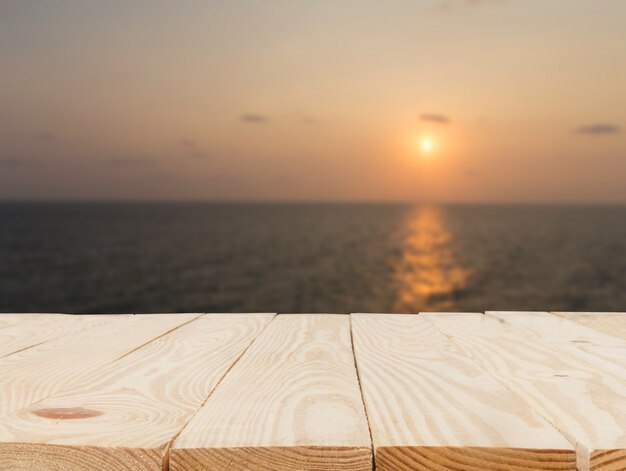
(426,145)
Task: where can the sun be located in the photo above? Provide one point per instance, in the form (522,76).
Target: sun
(425,145)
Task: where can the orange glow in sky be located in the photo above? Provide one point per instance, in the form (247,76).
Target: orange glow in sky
(271,101)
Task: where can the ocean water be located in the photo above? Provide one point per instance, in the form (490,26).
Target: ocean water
(128,257)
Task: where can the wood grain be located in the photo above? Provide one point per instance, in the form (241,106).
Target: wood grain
(127,415)
(34,330)
(584,403)
(44,370)
(11,319)
(431,407)
(291,403)
(611,323)
(596,348)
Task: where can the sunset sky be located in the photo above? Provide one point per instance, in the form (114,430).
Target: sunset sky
(287,100)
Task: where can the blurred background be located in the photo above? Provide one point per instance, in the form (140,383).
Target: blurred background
(399,156)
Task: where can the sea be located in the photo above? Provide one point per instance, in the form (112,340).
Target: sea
(310,258)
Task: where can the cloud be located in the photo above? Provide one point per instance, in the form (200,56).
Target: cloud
(11,162)
(190,148)
(187,143)
(253,118)
(600,129)
(435,118)
(471,173)
(478,3)
(14,162)
(282,179)
(309,121)
(199,154)
(44,138)
(450,4)
(130,161)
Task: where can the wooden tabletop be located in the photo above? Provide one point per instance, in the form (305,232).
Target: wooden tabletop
(505,391)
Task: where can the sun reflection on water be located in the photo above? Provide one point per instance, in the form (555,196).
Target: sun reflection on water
(428,274)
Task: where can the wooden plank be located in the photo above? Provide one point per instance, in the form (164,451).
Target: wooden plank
(12,319)
(125,417)
(291,403)
(430,406)
(39,372)
(9,319)
(585,404)
(34,330)
(611,323)
(600,350)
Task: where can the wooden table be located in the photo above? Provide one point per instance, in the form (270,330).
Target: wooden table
(501,391)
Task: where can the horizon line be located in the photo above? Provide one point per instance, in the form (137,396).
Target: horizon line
(303,202)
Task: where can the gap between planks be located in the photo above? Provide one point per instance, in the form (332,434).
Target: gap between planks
(583,402)
(292,402)
(431,407)
(603,459)
(193,358)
